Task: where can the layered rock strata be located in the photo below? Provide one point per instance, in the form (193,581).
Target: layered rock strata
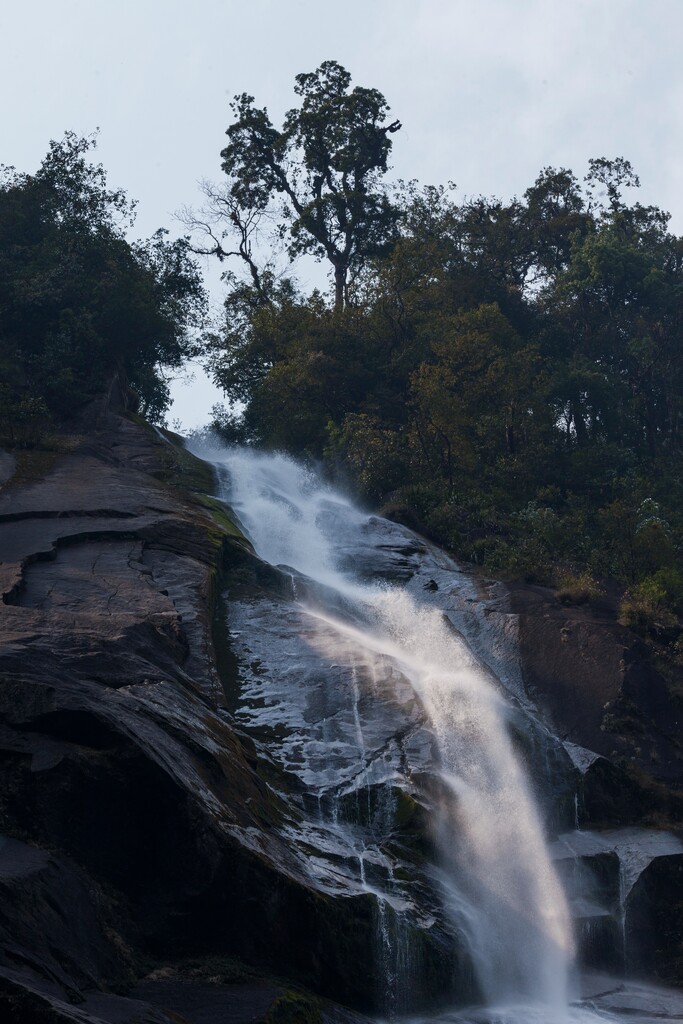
(137,828)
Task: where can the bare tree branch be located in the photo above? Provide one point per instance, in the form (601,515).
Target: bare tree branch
(222,208)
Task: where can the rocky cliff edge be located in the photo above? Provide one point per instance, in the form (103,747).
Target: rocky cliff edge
(138,839)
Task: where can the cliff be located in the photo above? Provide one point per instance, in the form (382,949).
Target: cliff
(604,689)
(138,837)
(145,869)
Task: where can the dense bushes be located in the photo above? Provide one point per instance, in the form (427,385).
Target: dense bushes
(508,376)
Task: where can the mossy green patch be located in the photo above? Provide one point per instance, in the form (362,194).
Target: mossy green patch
(294,1008)
(33,464)
(189,472)
(179,466)
(221,515)
(405,808)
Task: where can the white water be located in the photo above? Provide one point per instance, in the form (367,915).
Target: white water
(499,883)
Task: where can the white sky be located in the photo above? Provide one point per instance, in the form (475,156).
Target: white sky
(489,91)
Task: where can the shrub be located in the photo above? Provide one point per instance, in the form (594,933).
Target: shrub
(500,558)
(444,524)
(577,587)
(645,608)
(670,581)
(24,418)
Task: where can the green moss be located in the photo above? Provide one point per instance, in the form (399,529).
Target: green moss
(136,417)
(186,472)
(189,472)
(33,465)
(221,515)
(179,466)
(405,808)
(294,1008)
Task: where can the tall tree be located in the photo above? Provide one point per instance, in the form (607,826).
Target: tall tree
(79,303)
(323,170)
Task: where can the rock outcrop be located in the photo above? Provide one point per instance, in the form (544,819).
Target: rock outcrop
(137,829)
(602,689)
(619,714)
(145,867)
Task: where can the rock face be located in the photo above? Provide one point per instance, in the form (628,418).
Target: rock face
(137,827)
(600,687)
(156,822)
(601,691)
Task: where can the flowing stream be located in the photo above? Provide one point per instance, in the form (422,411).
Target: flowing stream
(387,649)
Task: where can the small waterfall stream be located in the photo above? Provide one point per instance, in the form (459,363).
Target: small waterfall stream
(379,641)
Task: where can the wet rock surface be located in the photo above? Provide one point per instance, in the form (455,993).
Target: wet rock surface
(346,727)
(169,790)
(137,825)
(600,687)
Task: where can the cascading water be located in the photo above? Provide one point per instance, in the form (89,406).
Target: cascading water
(389,695)
(500,883)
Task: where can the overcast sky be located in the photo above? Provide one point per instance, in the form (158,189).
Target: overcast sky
(489,91)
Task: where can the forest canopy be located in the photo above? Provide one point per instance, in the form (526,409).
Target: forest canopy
(504,375)
(79,303)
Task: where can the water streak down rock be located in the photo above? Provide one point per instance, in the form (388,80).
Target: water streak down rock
(294,792)
(119,754)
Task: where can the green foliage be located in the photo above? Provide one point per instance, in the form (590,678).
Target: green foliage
(475,397)
(637,540)
(78,302)
(226,426)
(294,1008)
(646,609)
(24,418)
(670,582)
(507,376)
(374,455)
(577,587)
(654,604)
(322,171)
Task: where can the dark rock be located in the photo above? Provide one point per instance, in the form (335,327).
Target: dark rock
(625,888)
(599,688)
(654,921)
(117,751)
(142,827)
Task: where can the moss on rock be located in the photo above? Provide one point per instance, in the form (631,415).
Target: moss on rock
(294,1008)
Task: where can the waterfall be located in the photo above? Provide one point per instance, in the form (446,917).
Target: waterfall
(497,880)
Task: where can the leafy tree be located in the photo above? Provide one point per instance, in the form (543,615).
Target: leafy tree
(476,400)
(616,315)
(78,302)
(506,375)
(376,456)
(554,215)
(324,168)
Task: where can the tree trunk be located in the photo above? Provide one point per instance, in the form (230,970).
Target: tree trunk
(510,439)
(579,422)
(339,287)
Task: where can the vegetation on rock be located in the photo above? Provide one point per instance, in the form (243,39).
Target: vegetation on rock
(294,1008)
(506,374)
